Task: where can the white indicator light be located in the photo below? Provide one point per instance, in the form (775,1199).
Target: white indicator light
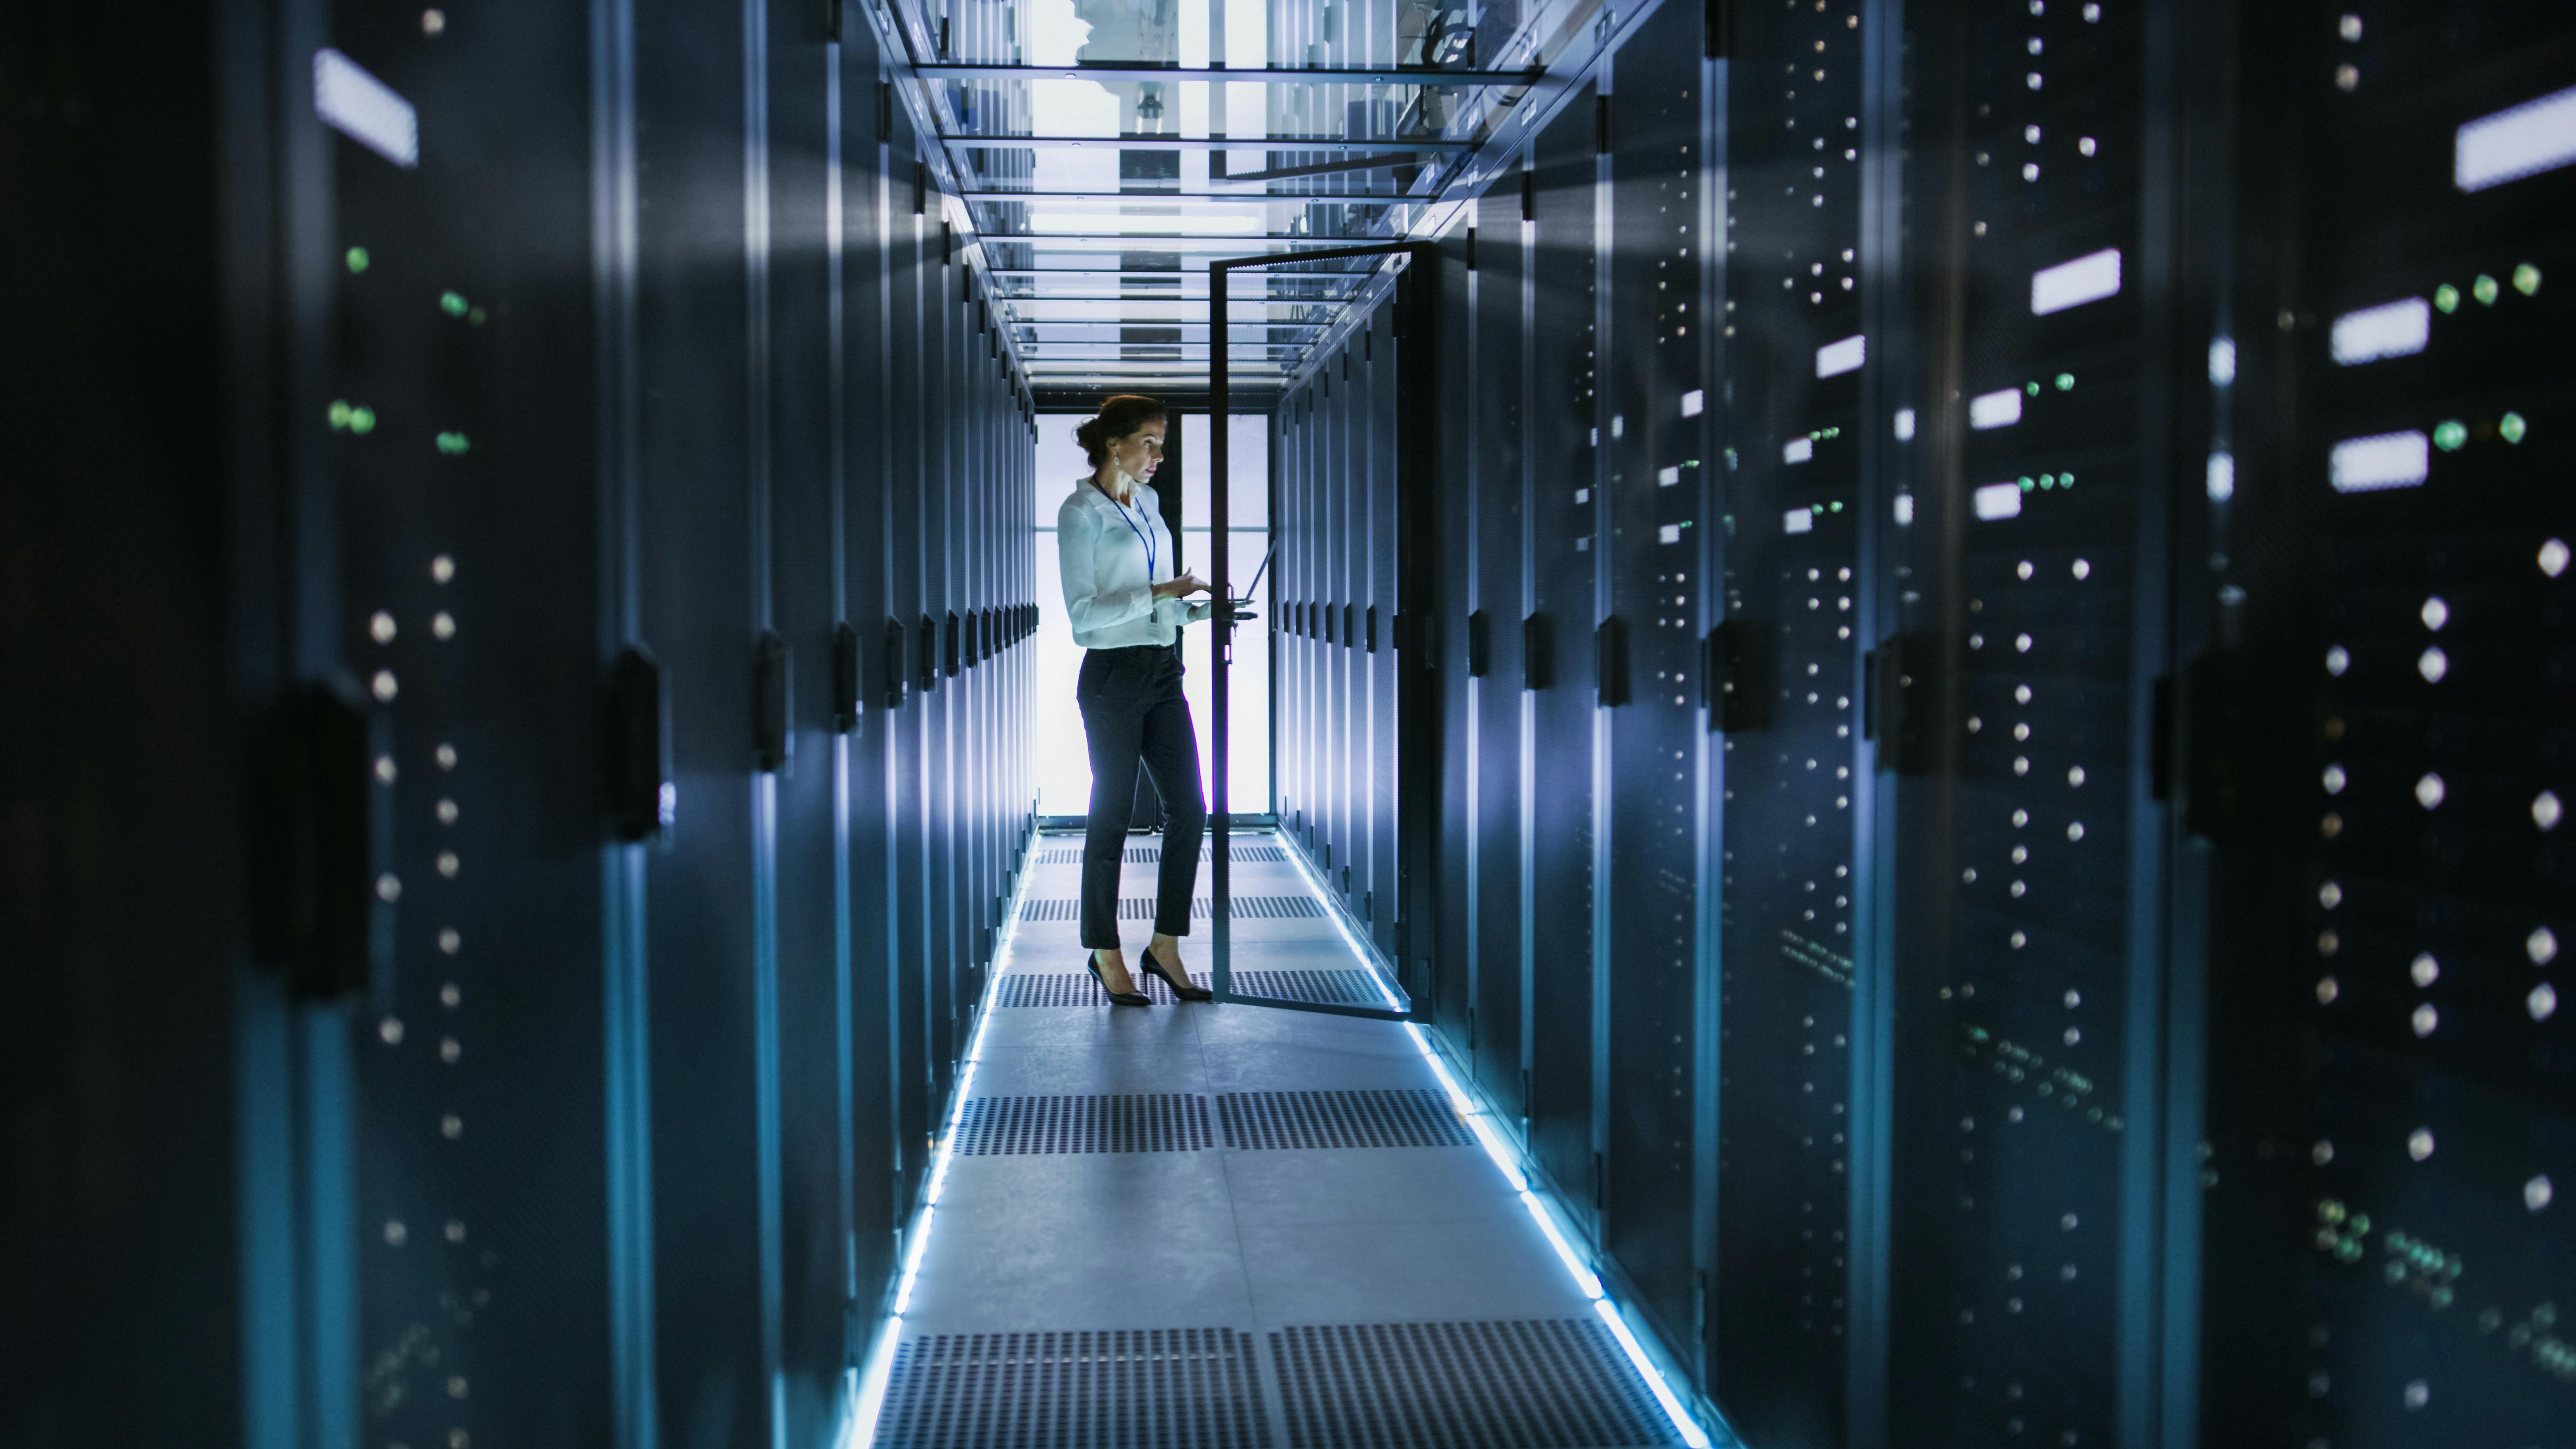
(1904,509)
(1905,425)
(1798,450)
(2088,278)
(2533,137)
(1999,500)
(2393,329)
(2383,460)
(1836,358)
(364,109)
(1797,520)
(2222,362)
(1669,533)
(1667,477)
(1999,409)
(2222,477)
(1693,401)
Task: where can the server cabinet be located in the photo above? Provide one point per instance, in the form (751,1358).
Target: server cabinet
(1652,720)
(703,493)
(1565,522)
(2038,945)
(1451,992)
(796,754)
(2378,733)
(864,753)
(1382,605)
(1500,694)
(457,1082)
(940,700)
(1783,1287)
(911,648)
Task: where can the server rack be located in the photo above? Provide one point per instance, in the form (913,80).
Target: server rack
(540,531)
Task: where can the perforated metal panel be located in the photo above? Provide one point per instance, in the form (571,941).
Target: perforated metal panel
(1149,854)
(1172,1388)
(1526,1383)
(1130,1122)
(1076,988)
(1141,908)
(1412,1117)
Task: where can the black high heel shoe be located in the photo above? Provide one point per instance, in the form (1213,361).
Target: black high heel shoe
(1180,988)
(1116,998)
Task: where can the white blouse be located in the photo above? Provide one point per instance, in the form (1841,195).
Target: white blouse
(1111,556)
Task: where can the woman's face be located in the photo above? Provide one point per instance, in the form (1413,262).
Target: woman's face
(1141,452)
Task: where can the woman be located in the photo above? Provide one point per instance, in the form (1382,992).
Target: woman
(1127,603)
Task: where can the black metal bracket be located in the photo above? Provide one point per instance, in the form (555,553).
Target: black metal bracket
(317,897)
(1610,661)
(1480,644)
(772,678)
(1738,663)
(845,678)
(641,801)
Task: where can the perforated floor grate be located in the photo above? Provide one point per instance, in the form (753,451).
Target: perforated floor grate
(1150,854)
(1341,988)
(1132,1122)
(1170,1388)
(1526,1384)
(1408,1117)
(1141,908)
(1075,988)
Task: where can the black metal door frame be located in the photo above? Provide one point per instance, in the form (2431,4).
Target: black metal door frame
(1418,760)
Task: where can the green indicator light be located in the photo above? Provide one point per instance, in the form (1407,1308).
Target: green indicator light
(1836,508)
(2065,480)
(2513,427)
(2028,486)
(453,444)
(451,304)
(2447,297)
(2484,289)
(362,421)
(2526,279)
(339,416)
(2450,436)
(2047,480)
(474,318)
(1815,508)
(2031,387)
(2065,380)
(357,259)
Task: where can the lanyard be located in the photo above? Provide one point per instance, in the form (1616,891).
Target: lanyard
(1143,535)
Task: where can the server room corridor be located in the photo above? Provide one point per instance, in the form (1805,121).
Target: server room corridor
(1884,691)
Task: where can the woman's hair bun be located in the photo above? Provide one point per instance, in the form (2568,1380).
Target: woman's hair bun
(1119,417)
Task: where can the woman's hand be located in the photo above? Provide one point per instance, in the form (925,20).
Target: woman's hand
(1181,587)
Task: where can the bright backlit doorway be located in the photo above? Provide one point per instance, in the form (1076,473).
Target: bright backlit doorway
(1063,763)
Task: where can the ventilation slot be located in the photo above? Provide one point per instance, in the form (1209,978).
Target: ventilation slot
(1339,988)
(1532,1384)
(1135,1122)
(1174,1388)
(1141,908)
(1412,1117)
(1076,988)
(1072,855)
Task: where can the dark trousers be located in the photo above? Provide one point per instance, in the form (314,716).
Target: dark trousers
(1133,713)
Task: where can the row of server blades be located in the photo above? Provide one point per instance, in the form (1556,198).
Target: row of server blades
(535,529)
(1998,671)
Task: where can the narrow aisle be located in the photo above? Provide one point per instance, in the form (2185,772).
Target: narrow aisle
(1229,1225)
